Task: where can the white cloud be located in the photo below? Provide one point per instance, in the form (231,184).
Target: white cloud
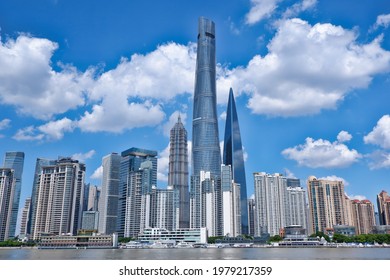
(380,135)
(344,136)
(335,178)
(356,197)
(82,157)
(161,74)
(28,134)
(172,121)
(4,124)
(322,153)
(28,81)
(98,173)
(223,116)
(299,7)
(307,69)
(260,9)
(382,20)
(116,115)
(379,159)
(55,130)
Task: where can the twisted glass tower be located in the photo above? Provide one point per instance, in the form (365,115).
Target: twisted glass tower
(206,153)
(233,156)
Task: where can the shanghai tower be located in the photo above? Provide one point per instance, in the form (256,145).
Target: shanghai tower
(233,156)
(206,155)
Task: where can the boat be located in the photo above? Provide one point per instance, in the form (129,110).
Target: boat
(183,245)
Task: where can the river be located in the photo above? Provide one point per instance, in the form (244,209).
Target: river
(199,254)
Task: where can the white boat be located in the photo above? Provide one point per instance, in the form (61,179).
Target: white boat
(183,245)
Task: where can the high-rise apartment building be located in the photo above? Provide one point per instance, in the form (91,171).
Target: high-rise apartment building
(178,173)
(233,155)
(231,203)
(251,216)
(383,200)
(363,216)
(108,202)
(327,203)
(25,216)
(296,209)
(15,161)
(7,191)
(162,208)
(270,200)
(59,196)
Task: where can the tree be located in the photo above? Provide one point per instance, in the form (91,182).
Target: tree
(275,238)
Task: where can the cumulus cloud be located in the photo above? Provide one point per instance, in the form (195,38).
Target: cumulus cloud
(307,69)
(356,197)
(98,173)
(380,135)
(322,153)
(53,130)
(382,20)
(335,178)
(260,9)
(344,136)
(289,173)
(82,157)
(4,124)
(28,81)
(163,165)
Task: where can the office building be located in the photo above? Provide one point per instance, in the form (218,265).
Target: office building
(206,155)
(327,203)
(59,198)
(90,221)
(178,173)
(108,202)
(93,198)
(233,155)
(130,188)
(383,200)
(15,161)
(7,191)
(270,200)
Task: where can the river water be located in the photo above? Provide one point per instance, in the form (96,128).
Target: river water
(199,254)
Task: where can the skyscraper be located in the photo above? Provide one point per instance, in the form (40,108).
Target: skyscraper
(383,201)
(7,187)
(25,216)
(363,216)
(59,198)
(178,173)
(15,161)
(135,179)
(108,202)
(233,156)
(206,153)
(327,202)
(270,200)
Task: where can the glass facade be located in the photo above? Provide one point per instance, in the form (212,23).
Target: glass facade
(206,153)
(15,161)
(233,156)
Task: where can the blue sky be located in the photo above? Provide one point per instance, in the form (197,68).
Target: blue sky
(311,80)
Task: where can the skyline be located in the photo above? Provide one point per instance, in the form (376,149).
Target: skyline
(292,114)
